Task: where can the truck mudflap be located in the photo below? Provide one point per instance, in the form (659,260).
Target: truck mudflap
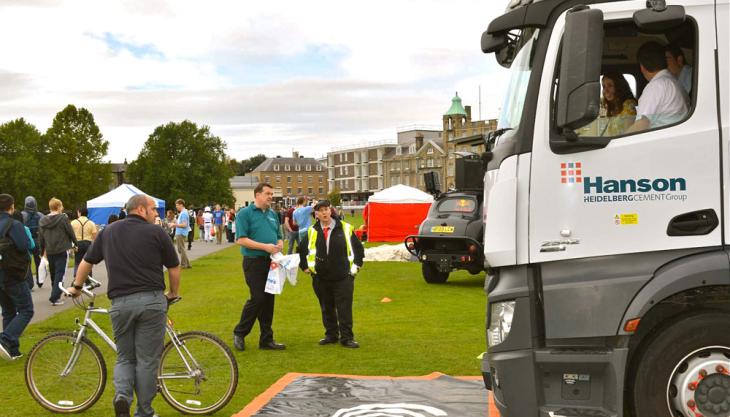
(565,382)
(447,252)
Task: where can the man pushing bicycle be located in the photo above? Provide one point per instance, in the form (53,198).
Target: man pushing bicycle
(135,250)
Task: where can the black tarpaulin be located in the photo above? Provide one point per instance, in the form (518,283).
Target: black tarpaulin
(314,395)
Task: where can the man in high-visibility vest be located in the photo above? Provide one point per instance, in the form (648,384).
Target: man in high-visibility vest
(332,254)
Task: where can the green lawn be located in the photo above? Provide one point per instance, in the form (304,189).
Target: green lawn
(425,328)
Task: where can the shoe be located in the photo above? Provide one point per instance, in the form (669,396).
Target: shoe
(15,356)
(239,343)
(58,303)
(328,341)
(4,353)
(350,344)
(272,346)
(121,407)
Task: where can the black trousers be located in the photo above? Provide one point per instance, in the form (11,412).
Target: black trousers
(335,302)
(261,304)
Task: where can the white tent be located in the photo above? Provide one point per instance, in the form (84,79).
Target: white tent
(401,194)
(101,207)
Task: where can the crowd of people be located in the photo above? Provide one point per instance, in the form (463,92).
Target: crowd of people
(136,245)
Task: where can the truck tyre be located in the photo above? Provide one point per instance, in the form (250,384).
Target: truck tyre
(432,275)
(684,370)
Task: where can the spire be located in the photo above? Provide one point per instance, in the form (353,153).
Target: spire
(456,107)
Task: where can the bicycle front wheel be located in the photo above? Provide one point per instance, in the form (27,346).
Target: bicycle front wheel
(199,375)
(63,376)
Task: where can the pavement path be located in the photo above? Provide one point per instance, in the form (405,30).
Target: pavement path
(43,308)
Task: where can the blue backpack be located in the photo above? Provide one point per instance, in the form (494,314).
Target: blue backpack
(32,219)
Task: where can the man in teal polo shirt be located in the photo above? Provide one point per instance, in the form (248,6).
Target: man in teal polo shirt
(259,235)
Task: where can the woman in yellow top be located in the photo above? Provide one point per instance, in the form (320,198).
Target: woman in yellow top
(618,105)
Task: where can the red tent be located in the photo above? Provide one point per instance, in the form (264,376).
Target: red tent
(396,212)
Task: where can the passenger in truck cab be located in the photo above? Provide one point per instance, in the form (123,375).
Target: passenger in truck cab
(618,104)
(677,65)
(663,101)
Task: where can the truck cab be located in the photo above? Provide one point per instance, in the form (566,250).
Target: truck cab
(606,234)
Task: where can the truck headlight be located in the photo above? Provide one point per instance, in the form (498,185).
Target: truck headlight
(500,323)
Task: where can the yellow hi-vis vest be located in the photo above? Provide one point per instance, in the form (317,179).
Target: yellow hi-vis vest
(312,247)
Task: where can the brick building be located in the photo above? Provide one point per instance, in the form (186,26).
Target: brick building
(293,177)
(418,151)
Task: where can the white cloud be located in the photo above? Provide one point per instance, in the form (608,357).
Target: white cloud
(138,64)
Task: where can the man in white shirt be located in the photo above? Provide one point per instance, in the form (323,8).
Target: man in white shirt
(663,100)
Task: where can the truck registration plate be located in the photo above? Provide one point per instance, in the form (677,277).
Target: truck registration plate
(442,229)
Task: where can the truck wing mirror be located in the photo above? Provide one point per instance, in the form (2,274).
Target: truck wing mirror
(658,17)
(433,185)
(580,68)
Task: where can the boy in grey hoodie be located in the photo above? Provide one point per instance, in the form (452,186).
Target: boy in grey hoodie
(56,238)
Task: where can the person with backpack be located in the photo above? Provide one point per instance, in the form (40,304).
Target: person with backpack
(56,238)
(29,274)
(31,219)
(15,299)
(85,232)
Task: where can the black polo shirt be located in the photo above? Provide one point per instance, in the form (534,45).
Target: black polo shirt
(134,252)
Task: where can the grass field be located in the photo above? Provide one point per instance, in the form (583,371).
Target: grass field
(425,328)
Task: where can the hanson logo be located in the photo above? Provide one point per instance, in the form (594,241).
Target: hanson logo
(571,173)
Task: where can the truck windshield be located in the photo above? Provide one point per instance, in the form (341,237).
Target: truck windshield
(521,69)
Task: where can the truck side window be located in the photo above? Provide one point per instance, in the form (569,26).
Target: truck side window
(645,80)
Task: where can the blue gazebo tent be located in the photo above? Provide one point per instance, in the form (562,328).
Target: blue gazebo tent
(100,208)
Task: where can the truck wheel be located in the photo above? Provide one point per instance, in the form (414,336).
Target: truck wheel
(685,369)
(432,275)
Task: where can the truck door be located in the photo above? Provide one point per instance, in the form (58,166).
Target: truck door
(652,190)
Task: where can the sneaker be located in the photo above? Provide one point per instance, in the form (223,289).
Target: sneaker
(15,357)
(121,407)
(58,303)
(4,352)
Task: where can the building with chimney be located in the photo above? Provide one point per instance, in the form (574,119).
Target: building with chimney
(417,152)
(293,177)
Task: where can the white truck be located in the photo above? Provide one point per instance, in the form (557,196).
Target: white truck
(609,290)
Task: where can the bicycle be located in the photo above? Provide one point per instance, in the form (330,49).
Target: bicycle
(66,373)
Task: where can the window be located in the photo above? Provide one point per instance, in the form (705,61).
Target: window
(412,149)
(287,167)
(321,179)
(430,163)
(457,205)
(299,190)
(347,170)
(309,167)
(430,151)
(319,167)
(321,190)
(310,179)
(266,178)
(288,190)
(277,179)
(398,151)
(309,190)
(340,170)
(629,103)
(276,167)
(299,179)
(288,178)
(297,167)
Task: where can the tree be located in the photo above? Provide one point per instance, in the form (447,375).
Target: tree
(21,163)
(334,197)
(182,160)
(247,165)
(74,169)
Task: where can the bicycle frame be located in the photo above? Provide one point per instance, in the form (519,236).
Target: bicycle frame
(180,347)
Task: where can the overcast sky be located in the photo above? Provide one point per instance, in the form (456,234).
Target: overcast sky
(267,77)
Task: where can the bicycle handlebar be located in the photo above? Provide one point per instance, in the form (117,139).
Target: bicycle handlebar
(91,283)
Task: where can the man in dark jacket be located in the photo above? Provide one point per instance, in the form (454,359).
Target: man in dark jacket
(31,219)
(56,238)
(15,299)
(332,254)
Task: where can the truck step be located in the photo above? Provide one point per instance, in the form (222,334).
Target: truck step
(581,412)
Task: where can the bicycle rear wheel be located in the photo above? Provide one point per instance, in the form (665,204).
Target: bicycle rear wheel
(82,384)
(211,379)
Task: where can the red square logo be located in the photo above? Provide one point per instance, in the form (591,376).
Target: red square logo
(563,165)
(577,164)
(564,180)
